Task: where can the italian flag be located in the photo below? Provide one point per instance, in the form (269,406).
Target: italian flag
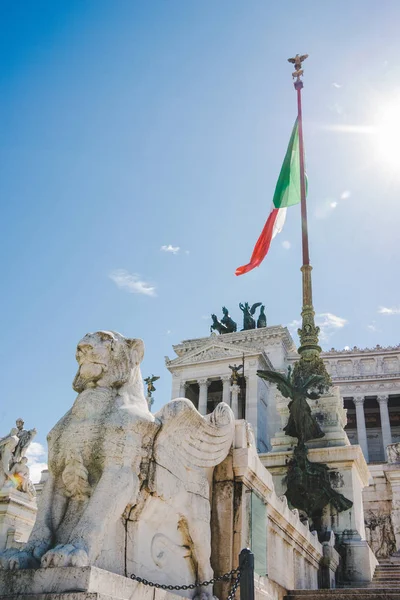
(287,193)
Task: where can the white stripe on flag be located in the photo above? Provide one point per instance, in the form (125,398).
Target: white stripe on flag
(279,221)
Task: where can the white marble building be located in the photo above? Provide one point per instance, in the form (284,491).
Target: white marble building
(368,379)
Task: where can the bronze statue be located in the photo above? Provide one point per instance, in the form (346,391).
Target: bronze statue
(302,424)
(296,61)
(262,319)
(218,325)
(308,484)
(228,321)
(150,387)
(309,487)
(248,321)
(235,373)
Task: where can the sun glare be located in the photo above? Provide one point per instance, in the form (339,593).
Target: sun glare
(387,134)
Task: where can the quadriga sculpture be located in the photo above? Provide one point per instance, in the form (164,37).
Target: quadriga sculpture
(127,491)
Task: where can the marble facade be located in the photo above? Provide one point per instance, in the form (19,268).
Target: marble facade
(368,381)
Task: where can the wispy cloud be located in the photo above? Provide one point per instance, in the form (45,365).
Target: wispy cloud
(132,283)
(372,327)
(36,455)
(384,310)
(336,85)
(327,322)
(286,244)
(170,249)
(345,195)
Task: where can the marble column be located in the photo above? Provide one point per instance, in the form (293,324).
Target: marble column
(226,389)
(203,385)
(235,399)
(361,429)
(182,389)
(251,412)
(385,422)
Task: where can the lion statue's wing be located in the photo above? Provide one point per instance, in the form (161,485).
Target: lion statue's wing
(195,441)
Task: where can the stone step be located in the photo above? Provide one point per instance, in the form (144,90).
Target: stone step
(345,594)
(386,585)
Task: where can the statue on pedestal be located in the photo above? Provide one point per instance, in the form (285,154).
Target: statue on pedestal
(20,474)
(7,447)
(308,484)
(25,437)
(13,463)
(120,477)
(235,373)
(149,381)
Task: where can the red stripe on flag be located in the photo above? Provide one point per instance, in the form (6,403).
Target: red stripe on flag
(262,245)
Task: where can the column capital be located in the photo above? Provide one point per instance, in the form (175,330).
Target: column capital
(383,398)
(359,400)
(204,382)
(235,387)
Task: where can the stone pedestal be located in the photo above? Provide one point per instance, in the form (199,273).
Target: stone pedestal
(75,583)
(17,517)
(328,411)
(349,475)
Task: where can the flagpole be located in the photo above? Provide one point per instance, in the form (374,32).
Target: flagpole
(309,349)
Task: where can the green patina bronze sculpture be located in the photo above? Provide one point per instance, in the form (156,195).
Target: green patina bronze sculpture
(228,325)
(308,484)
(228,321)
(302,424)
(248,321)
(225,325)
(262,319)
(149,381)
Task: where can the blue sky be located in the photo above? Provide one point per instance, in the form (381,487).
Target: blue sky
(128,126)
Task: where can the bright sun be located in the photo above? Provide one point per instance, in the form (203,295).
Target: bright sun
(387,134)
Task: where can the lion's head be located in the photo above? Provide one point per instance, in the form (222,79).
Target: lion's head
(106,359)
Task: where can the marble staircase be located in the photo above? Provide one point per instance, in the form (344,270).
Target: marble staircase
(384,586)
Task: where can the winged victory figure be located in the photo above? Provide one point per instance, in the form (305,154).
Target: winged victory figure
(248,321)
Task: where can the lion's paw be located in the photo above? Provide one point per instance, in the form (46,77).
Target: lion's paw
(65,556)
(20,560)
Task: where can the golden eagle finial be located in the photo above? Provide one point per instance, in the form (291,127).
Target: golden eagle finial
(296,61)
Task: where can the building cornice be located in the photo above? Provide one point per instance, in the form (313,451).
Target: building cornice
(251,338)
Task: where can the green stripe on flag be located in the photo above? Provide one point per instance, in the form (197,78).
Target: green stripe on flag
(287,191)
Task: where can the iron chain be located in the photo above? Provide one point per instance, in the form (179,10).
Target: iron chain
(193,586)
(234,586)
